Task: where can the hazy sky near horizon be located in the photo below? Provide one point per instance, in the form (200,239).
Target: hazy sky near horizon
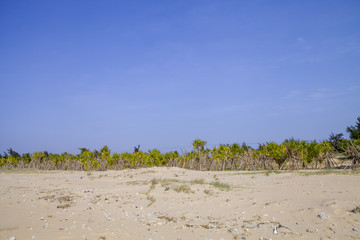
(162,73)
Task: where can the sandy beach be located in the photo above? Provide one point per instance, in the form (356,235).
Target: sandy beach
(174,203)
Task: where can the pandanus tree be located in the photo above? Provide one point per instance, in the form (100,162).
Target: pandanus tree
(312,152)
(116,161)
(221,156)
(294,153)
(172,159)
(354,152)
(104,158)
(318,154)
(37,159)
(87,159)
(53,161)
(127,159)
(276,152)
(11,159)
(154,157)
(26,158)
(353,148)
(138,159)
(198,145)
(69,161)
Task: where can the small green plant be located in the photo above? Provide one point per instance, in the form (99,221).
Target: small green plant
(221,186)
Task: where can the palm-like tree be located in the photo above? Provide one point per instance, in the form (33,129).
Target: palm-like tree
(354,131)
(198,145)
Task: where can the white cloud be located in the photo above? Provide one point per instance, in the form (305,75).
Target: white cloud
(293,94)
(328,93)
(312,59)
(301,40)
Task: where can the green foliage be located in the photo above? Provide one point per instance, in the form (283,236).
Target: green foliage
(39,156)
(290,154)
(276,152)
(354,131)
(199,144)
(353,150)
(127,158)
(87,159)
(155,157)
(12,153)
(55,158)
(325,148)
(115,158)
(337,141)
(105,158)
(312,152)
(26,158)
(2,161)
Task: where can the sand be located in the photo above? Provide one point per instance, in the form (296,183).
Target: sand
(173,203)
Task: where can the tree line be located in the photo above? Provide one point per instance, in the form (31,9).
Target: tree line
(291,154)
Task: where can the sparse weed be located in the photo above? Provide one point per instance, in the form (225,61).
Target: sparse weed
(134,183)
(221,186)
(249,173)
(183,188)
(197,181)
(332,171)
(267,173)
(148,171)
(208,192)
(154,181)
(152,199)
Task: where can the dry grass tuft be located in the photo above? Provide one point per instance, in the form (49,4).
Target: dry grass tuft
(356,210)
(183,188)
(152,199)
(208,192)
(197,181)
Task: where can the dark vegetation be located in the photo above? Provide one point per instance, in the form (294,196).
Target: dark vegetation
(291,154)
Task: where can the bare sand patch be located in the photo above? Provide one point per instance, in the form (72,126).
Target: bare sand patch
(174,203)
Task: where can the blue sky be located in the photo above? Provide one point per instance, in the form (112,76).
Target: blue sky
(162,73)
